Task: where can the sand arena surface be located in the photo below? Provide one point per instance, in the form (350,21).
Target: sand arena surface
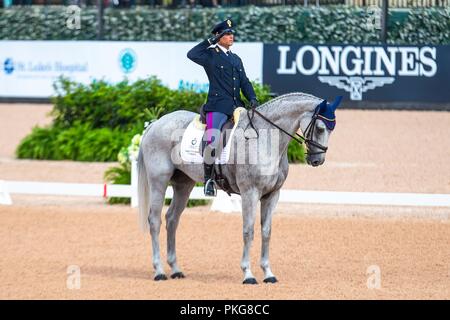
(317,251)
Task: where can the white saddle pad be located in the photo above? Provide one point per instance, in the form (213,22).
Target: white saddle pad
(192,139)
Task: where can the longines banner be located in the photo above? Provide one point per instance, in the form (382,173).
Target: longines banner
(29,68)
(360,72)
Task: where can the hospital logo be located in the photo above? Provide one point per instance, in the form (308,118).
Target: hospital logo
(127,60)
(8,66)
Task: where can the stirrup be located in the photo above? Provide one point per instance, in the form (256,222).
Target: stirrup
(208,192)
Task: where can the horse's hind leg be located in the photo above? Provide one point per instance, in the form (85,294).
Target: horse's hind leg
(158,188)
(182,187)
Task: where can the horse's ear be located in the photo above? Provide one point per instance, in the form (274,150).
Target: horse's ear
(336,103)
(322,106)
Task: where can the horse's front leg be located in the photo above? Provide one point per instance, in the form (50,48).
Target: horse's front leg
(268,204)
(249,203)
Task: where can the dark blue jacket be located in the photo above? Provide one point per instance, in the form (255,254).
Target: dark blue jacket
(226,76)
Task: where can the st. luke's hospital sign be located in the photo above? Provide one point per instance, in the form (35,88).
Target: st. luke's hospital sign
(360,72)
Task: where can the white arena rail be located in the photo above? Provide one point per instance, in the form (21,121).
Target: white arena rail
(222,202)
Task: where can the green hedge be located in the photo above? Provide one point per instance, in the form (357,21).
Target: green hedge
(94,122)
(121,106)
(80,142)
(328,24)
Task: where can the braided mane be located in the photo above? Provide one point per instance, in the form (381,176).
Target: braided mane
(288,95)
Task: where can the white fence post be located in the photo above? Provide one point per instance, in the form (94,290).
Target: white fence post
(4,194)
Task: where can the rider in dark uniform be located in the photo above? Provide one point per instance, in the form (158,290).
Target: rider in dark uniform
(227,78)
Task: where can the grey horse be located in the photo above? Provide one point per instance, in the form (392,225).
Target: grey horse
(159,164)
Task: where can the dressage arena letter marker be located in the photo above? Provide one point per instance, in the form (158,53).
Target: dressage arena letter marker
(374,279)
(74,277)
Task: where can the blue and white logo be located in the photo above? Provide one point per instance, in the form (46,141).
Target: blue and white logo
(8,66)
(127,60)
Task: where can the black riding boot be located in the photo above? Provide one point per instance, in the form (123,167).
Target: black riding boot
(210,188)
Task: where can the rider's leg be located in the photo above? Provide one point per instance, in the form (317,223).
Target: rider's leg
(214,123)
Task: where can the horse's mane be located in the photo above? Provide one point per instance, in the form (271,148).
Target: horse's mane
(288,95)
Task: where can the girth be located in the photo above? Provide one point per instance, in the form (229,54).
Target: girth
(222,181)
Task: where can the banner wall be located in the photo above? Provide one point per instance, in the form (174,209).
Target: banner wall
(361,73)
(29,68)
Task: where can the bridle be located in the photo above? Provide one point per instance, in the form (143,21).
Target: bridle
(307,139)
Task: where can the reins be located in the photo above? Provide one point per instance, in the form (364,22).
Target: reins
(299,138)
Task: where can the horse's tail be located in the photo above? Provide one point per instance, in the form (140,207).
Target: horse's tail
(143,189)
(143,193)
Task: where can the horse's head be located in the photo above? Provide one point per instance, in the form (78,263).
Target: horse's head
(317,126)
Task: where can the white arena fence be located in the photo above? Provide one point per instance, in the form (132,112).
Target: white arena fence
(222,202)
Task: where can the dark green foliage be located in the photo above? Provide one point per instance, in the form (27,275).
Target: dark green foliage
(122,105)
(39,144)
(325,24)
(79,142)
(296,152)
(262,92)
(426,26)
(102,144)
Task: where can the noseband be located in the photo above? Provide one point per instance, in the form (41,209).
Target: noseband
(309,136)
(307,139)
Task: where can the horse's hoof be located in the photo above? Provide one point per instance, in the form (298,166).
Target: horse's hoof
(160,277)
(250,281)
(177,275)
(270,280)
